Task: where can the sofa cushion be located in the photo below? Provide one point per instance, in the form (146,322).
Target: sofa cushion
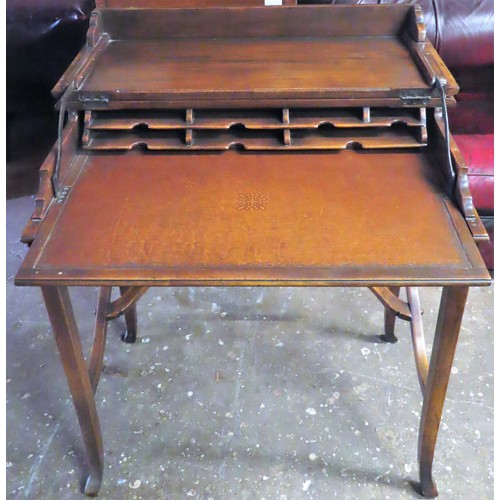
(473,113)
(477,150)
(461,30)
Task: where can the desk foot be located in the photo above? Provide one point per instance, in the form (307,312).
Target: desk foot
(388,339)
(128,337)
(428,487)
(130,334)
(445,341)
(390,320)
(92,486)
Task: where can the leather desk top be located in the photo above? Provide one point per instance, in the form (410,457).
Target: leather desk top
(250,218)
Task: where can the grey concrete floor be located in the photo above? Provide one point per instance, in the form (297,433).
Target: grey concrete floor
(245,393)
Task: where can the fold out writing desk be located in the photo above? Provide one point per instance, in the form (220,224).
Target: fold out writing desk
(260,146)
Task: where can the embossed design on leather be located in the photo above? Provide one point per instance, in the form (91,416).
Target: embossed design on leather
(252,201)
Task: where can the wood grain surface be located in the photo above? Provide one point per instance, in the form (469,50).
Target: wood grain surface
(250,68)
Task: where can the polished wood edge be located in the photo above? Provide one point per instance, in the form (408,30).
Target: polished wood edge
(93,102)
(392,301)
(462,192)
(45,194)
(103,98)
(24,278)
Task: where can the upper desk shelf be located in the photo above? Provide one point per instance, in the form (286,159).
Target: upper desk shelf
(377,55)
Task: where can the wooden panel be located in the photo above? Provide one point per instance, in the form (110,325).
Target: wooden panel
(321,20)
(233,216)
(272,68)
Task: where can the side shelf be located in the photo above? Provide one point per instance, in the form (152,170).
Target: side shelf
(45,195)
(461,192)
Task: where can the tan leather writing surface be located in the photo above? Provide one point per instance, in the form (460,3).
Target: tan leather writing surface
(253,211)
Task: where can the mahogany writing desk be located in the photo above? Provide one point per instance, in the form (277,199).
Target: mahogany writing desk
(287,146)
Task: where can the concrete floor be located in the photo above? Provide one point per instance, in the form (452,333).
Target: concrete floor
(245,393)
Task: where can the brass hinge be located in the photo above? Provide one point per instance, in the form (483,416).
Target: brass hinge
(98,100)
(415,100)
(63,194)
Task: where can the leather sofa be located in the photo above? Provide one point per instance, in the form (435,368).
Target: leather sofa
(43,36)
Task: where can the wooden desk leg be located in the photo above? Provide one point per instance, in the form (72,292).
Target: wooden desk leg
(445,341)
(390,320)
(130,334)
(63,322)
